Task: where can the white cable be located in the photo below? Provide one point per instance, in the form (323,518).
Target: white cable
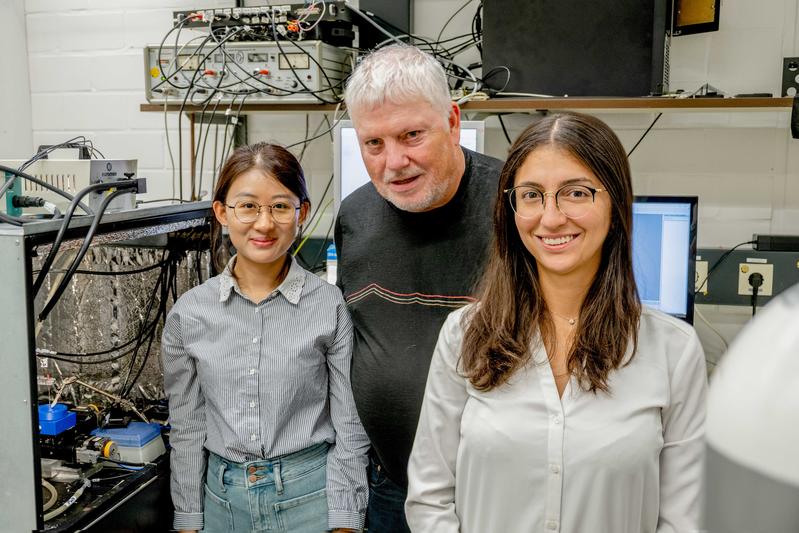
(698,313)
(169,143)
(533,95)
(67,504)
(53,495)
(368,19)
(52,209)
(318,20)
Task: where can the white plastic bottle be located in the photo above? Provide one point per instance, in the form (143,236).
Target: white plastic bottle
(332,264)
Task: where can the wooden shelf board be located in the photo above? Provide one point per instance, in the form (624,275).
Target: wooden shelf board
(526,105)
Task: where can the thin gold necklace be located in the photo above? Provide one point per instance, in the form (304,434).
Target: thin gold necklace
(571,321)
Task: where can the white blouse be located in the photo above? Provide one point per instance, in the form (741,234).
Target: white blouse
(519,458)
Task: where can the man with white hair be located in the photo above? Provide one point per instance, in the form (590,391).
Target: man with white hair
(411,245)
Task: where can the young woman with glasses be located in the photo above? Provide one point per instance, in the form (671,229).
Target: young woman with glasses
(264,433)
(557,402)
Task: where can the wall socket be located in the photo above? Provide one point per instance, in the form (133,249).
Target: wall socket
(701,275)
(747,269)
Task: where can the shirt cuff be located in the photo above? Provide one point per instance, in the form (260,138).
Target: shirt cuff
(188,521)
(345,519)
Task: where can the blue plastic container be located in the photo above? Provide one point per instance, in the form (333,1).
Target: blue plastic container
(56,419)
(136,435)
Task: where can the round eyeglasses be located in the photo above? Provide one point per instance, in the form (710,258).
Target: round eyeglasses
(248,212)
(574,201)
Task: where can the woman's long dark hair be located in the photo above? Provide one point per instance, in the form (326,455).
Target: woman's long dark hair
(272,160)
(500,329)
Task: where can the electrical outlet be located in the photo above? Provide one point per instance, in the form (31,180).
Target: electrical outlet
(747,269)
(701,276)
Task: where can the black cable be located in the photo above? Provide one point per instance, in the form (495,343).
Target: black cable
(477,27)
(180,140)
(142,338)
(214,174)
(168,76)
(18,173)
(195,150)
(235,125)
(79,140)
(72,356)
(162,200)
(48,261)
(85,246)
(76,142)
(491,73)
(291,67)
(644,135)
(452,17)
(224,134)
(756,281)
(504,130)
(321,69)
(205,141)
(316,262)
(10,219)
(170,283)
(307,130)
(331,128)
(121,272)
(320,203)
(719,261)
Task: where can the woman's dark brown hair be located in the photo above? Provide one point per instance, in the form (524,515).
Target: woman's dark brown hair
(500,329)
(272,160)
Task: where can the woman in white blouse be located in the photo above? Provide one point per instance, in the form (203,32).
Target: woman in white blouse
(558,403)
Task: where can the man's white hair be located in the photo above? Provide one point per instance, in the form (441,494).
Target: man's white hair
(398,74)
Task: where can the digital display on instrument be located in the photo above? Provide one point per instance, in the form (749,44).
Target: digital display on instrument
(258,58)
(296,61)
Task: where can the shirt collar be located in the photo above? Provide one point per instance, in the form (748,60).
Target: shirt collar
(290,288)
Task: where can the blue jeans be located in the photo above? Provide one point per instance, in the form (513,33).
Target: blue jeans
(386,512)
(284,494)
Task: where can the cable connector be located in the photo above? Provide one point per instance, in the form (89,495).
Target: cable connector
(141,185)
(756,281)
(22,201)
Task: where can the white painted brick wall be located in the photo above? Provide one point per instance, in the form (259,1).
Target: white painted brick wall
(86,75)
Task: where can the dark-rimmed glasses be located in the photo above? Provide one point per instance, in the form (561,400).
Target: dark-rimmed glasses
(574,201)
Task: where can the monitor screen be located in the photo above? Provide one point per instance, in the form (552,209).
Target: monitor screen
(349,170)
(664,252)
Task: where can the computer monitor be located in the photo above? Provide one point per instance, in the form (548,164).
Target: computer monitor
(349,172)
(664,252)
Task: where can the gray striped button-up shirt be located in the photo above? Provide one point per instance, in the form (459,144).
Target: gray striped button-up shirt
(252,380)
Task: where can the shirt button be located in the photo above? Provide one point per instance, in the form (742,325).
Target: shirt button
(554,468)
(255,340)
(552,525)
(556,420)
(252,371)
(257,310)
(253,437)
(252,404)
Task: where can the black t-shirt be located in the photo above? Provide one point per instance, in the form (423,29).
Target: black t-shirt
(402,273)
